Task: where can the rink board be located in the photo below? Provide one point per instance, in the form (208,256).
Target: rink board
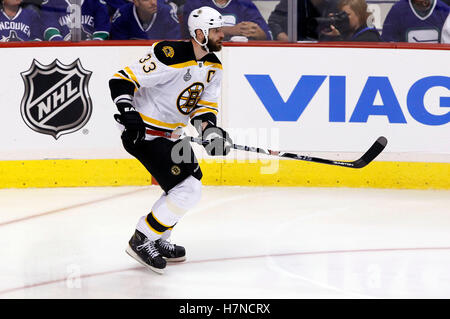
(120,172)
(271,98)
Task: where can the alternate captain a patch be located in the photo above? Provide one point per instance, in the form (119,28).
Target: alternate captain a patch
(188,99)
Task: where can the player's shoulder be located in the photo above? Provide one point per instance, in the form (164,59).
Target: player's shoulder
(442,7)
(213,60)
(55,5)
(174,52)
(27,13)
(164,7)
(124,12)
(246,4)
(196,3)
(167,12)
(402,5)
(181,53)
(100,3)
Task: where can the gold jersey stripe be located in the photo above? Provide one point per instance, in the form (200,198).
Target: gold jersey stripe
(162,124)
(206,103)
(122,77)
(131,74)
(214,65)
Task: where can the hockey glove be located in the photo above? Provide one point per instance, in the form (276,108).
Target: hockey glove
(219,142)
(134,126)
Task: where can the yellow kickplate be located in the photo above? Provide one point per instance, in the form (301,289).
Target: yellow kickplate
(120,172)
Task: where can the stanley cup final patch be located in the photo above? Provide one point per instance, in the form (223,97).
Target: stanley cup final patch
(56,99)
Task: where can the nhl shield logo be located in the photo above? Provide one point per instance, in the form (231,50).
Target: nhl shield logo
(56,99)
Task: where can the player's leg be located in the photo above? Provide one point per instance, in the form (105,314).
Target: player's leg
(169,209)
(182,190)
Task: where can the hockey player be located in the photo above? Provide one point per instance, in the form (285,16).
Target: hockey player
(420,21)
(17,23)
(176,82)
(144,20)
(95,23)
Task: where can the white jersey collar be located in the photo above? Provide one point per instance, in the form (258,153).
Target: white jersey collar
(430,12)
(222,6)
(15,16)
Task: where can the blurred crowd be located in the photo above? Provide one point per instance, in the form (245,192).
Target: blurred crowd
(424,21)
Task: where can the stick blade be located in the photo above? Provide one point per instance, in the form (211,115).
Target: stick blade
(372,153)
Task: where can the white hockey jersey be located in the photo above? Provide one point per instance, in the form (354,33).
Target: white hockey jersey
(172,87)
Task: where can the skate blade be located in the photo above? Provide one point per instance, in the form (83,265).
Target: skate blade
(176,260)
(132,254)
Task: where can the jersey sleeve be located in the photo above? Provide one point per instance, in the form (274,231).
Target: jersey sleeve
(101,22)
(146,72)
(173,25)
(391,31)
(118,29)
(252,14)
(49,19)
(36,27)
(278,19)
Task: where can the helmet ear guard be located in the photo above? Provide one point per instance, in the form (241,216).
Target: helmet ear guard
(203,19)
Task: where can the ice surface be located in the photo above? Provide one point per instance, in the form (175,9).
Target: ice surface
(241,242)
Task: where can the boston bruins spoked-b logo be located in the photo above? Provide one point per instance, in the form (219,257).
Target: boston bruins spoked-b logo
(188,99)
(56,99)
(175,170)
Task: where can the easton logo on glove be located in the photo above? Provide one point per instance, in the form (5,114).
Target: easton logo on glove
(219,142)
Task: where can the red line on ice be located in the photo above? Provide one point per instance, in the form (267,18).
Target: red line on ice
(374,250)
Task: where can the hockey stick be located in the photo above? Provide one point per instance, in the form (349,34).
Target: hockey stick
(367,157)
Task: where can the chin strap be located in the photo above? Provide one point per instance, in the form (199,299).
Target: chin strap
(203,45)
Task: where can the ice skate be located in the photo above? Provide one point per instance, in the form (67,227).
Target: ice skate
(146,252)
(172,252)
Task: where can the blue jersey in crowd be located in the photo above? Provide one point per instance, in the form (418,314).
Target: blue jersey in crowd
(116,4)
(406,24)
(95,24)
(164,24)
(24,26)
(234,12)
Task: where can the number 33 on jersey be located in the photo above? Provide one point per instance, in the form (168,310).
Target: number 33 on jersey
(171,87)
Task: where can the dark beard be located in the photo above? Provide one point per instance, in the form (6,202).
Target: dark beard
(213,47)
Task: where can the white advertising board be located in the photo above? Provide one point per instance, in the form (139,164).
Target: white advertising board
(98,138)
(342,99)
(302,99)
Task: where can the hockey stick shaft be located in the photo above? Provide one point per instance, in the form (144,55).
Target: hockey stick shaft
(365,159)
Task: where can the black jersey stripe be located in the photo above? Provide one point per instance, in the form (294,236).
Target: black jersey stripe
(124,74)
(156,225)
